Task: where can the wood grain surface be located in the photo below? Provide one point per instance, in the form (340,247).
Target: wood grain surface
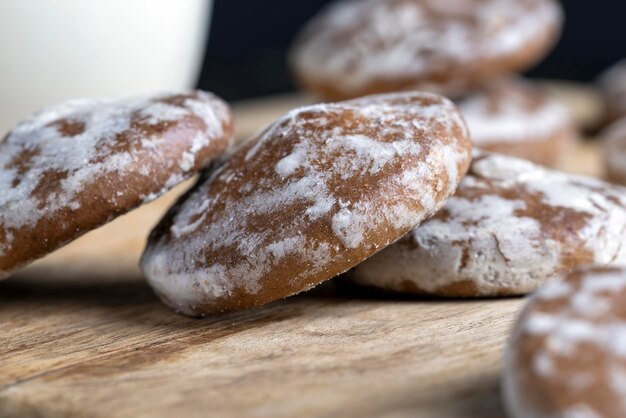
(82,335)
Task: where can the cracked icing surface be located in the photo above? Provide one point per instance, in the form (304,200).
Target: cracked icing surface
(567,354)
(318,191)
(74,166)
(511,226)
(425,44)
(614,150)
(513,110)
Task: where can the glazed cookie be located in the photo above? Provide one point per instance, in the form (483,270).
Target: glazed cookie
(317,192)
(75,166)
(359,47)
(614,150)
(613,87)
(511,226)
(511,116)
(567,355)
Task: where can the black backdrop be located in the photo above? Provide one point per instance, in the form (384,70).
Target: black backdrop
(249,38)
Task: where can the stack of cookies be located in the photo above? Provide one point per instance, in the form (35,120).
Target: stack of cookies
(383,187)
(319,191)
(468,50)
(386,188)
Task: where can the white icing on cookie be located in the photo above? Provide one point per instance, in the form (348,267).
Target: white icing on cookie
(510,227)
(407,149)
(354,43)
(49,160)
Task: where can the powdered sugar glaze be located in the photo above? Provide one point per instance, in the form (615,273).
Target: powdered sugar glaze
(320,185)
(49,162)
(511,226)
(570,344)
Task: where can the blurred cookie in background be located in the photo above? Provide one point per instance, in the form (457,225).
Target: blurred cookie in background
(516,117)
(612,84)
(353,48)
(614,151)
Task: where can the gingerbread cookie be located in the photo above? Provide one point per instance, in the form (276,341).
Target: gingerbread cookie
(614,150)
(511,226)
(613,87)
(316,193)
(512,116)
(567,355)
(75,166)
(353,48)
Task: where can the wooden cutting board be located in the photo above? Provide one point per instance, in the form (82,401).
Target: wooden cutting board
(81,334)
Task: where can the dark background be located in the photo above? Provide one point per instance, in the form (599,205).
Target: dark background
(246,55)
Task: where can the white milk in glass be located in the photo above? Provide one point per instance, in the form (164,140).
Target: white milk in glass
(54,50)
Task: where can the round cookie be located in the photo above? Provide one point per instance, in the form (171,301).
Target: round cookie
(512,116)
(75,166)
(358,47)
(319,191)
(614,150)
(511,226)
(613,87)
(567,355)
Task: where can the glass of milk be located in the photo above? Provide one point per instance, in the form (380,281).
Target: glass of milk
(52,51)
